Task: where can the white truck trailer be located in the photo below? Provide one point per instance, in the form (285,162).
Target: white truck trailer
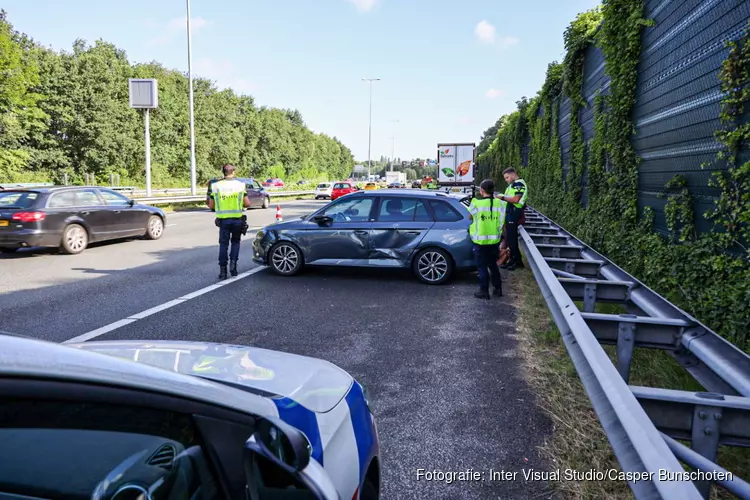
(456,164)
(391,177)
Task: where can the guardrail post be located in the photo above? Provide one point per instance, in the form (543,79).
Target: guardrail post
(625,346)
(589,297)
(705,438)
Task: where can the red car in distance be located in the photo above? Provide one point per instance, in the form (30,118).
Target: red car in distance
(343,188)
(273,183)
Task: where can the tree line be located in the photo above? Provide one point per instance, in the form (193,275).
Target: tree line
(66,114)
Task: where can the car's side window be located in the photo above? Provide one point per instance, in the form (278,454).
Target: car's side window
(114,198)
(421,214)
(87,198)
(352,210)
(256,185)
(62,200)
(444,212)
(66,449)
(398,209)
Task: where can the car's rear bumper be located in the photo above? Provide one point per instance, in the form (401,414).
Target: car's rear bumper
(25,238)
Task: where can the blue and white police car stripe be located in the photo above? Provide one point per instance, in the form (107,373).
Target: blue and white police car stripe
(342,439)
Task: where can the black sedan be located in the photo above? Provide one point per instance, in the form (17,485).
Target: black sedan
(72,217)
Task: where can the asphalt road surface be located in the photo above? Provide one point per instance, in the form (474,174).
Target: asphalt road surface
(441,367)
(55,296)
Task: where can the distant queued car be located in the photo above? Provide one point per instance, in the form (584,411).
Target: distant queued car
(371,186)
(395,185)
(154,419)
(323,190)
(71,217)
(343,188)
(258,195)
(274,182)
(426,231)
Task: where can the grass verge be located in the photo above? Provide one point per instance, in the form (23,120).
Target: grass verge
(578,441)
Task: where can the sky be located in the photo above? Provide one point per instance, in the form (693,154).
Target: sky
(448,69)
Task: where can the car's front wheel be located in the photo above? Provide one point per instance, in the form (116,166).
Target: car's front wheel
(433,266)
(285,258)
(266,202)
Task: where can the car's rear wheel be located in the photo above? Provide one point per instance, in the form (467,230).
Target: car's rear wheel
(155,228)
(433,266)
(285,258)
(75,239)
(266,202)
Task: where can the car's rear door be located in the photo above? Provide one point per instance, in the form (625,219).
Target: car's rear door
(91,207)
(400,225)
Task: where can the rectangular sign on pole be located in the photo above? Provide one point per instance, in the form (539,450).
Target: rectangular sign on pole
(144,93)
(456,163)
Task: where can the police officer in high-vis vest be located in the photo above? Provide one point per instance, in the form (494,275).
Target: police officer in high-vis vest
(487,216)
(228,198)
(515,197)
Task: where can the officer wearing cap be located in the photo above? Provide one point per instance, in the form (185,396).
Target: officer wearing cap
(486,224)
(515,197)
(228,198)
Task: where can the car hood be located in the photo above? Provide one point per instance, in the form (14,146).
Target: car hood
(313,383)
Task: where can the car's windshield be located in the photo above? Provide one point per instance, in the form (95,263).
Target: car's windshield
(17,199)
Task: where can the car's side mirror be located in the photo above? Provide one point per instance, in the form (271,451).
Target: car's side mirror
(277,459)
(131,203)
(323,220)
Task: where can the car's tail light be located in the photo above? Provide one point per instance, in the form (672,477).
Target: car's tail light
(29,216)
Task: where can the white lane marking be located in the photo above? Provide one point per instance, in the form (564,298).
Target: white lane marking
(170,225)
(161,307)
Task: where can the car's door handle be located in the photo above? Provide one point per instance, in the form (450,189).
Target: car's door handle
(85,213)
(361,232)
(412,232)
(117,211)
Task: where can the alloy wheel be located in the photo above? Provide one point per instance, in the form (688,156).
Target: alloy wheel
(285,258)
(432,266)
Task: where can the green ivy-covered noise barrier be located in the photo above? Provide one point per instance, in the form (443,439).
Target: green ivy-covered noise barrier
(704,274)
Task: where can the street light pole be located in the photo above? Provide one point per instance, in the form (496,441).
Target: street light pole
(190,94)
(369,136)
(393,144)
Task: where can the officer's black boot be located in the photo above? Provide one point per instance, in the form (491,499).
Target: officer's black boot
(222,272)
(482,294)
(497,292)
(233,267)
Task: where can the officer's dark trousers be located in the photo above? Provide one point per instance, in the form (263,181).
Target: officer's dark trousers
(486,258)
(511,232)
(230,230)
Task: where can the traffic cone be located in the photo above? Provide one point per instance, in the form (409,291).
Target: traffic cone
(278,214)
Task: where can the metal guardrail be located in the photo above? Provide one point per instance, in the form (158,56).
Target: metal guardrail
(174,191)
(642,423)
(168,200)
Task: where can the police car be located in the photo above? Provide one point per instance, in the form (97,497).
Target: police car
(137,419)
